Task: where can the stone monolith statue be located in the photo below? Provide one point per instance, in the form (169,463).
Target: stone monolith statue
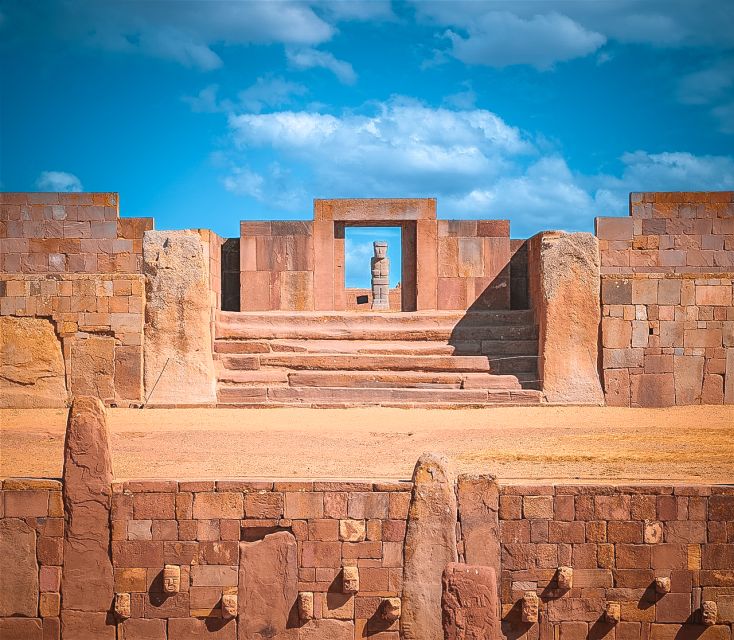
(380,264)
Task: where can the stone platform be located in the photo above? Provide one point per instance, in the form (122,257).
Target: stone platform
(355,358)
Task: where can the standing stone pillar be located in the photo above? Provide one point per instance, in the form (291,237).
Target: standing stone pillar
(87,579)
(380,264)
(565,295)
(430,544)
(179,364)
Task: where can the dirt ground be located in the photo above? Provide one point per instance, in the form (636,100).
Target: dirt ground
(540,443)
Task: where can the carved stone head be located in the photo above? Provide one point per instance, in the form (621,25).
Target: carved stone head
(380,247)
(350,579)
(171,578)
(122,606)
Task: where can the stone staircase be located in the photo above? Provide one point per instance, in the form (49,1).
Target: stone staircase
(338,359)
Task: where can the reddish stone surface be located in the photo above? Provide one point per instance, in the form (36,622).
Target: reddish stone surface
(83,625)
(430,544)
(18,569)
(87,581)
(268,585)
(21,629)
(469,602)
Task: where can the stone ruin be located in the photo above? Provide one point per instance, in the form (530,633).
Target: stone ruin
(640,314)
(435,557)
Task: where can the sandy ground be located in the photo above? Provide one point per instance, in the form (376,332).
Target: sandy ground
(543,443)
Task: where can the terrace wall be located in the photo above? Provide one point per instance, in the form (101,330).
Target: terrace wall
(668,300)
(617,540)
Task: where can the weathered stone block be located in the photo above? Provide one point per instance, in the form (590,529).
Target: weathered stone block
(18,569)
(268,585)
(430,544)
(32,372)
(469,602)
(178,319)
(87,581)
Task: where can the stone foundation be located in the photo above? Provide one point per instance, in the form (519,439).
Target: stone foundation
(303,559)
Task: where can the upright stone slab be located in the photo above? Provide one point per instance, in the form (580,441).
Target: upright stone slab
(87,583)
(430,544)
(268,587)
(478,499)
(18,569)
(565,295)
(469,603)
(178,338)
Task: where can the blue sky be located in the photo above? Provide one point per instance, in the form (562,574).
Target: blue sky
(204,113)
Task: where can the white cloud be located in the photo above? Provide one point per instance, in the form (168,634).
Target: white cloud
(308,58)
(503,32)
(472,160)
(706,85)
(58,181)
(189,32)
(501,38)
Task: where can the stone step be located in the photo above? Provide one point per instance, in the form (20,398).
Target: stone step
(435,325)
(401,380)
(359,362)
(337,396)
(386,347)
(270,377)
(511,365)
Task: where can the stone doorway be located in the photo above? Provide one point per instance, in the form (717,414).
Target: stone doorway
(405,299)
(356,277)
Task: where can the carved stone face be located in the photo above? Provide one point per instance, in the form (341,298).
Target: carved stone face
(380,249)
(122,605)
(229,606)
(350,579)
(171,578)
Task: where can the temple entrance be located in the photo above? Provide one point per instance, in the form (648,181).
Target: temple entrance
(359,251)
(353,250)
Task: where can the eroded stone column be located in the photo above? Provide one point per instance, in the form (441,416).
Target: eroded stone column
(478,506)
(380,265)
(87,580)
(430,544)
(178,337)
(564,292)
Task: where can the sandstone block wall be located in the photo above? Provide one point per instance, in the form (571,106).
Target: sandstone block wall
(277,265)
(210,528)
(473,264)
(667,302)
(70,260)
(31,558)
(447,264)
(68,233)
(668,339)
(617,541)
(95,320)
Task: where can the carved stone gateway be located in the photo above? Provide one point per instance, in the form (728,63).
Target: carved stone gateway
(380,264)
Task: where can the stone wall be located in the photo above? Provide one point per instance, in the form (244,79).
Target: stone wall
(473,264)
(446,264)
(31,558)
(68,233)
(315,559)
(617,541)
(94,320)
(276,262)
(237,537)
(668,339)
(667,301)
(69,260)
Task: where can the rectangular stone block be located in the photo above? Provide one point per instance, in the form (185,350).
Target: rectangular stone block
(212,505)
(614,228)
